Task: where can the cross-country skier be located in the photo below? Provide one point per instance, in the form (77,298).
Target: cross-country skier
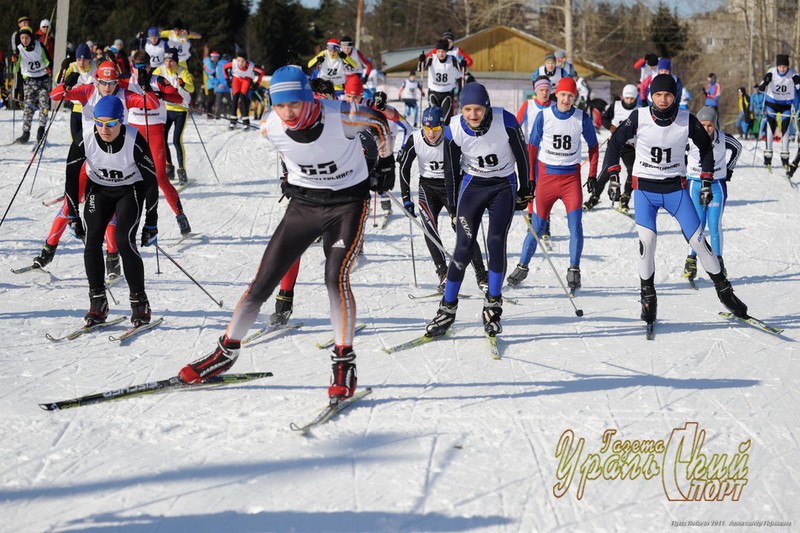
(780,87)
(531,107)
(241,74)
(443,75)
(712,91)
(664,67)
(122,181)
(561,61)
(614,115)
(155,47)
(177,113)
(661,132)
(333,64)
(210,82)
(426,146)
(178,37)
(712,212)
(34,64)
(151,126)
(83,68)
(409,93)
(363,65)
(555,149)
(328,187)
(553,72)
(483,145)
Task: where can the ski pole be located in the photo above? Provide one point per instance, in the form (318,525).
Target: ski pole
(413,259)
(14,107)
(35,151)
(571,299)
(425,231)
(485,246)
(158,263)
(160,249)
(211,163)
(44,143)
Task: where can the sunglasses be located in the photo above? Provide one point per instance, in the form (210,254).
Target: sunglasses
(110,123)
(431,128)
(140,65)
(104,82)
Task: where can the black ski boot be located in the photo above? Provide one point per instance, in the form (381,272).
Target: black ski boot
(518,276)
(492,311)
(98,307)
(246,123)
(217,362)
(183,224)
(140,309)
(591,202)
(170,172)
(113,270)
(39,133)
(24,138)
(649,304)
(727,297)
(624,202)
(182,178)
(574,277)
(792,170)
(690,268)
(768,158)
(345,378)
(441,273)
(785,161)
(722,266)
(546,231)
(45,257)
(386,206)
(482,277)
(444,318)
(283,308)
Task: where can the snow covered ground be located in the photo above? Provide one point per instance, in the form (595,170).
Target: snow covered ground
(450,440)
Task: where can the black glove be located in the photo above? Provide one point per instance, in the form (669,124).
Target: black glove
(364,79)
(143,77)
(409,205)
(66,63)
(523,198)
(463,64)
(591,184)
(380,100)
(342,54)
(76,226)
(382,179)
(149,235)
(400,154)
(706,196)
(71,80)
(613,186)
(320,60)
(729,175)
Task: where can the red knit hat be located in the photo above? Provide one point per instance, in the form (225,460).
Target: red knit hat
(567,84)
(335,44)
(354,85)
(107,71)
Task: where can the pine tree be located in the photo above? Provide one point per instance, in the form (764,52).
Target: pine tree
(667,32)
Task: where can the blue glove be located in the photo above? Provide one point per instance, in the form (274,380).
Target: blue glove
(409,205)
(149,235)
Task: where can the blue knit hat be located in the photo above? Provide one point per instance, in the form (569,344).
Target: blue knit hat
(665,64)
(153,32)
(475,94)
(109,106)
(290,84)
(432,117)
(83,52)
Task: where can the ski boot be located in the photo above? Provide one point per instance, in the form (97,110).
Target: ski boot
(170,172)
(113,270)
(283,308)
(24,138)
(183,224)
(792,170)
(573,278)
(217,362)
(518,276)
(98,307)
(482,277)
(722,266)
(649,303)
(232,125)
(546,231)
(592,201)
(39,134)
(386,206)
(492,311)
(444,318)
(45,257)
(785,161)
(345,378)
(441,273)
(182,178)
(690,268)
(768,159)
(726,296)
(246,123)
(624,201)
(140,309)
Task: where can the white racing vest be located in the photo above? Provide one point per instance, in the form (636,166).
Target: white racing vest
(333,70)
(561,139)
(156,53)
(554,78)
(172,78)
(32,62)
(660,151)
(113,170)
(430,159)
(332,161)
(156,115)
(442,77)
(621,115)
(531,112)
(720,165)
(409,90)
(487,156)
(87,113)
(781,88)
(181,43)
(247,72)
(357,59)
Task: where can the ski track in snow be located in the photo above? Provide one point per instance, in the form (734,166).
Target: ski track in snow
(450,440)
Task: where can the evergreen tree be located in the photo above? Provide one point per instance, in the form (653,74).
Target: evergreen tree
(667,33)
(279,34)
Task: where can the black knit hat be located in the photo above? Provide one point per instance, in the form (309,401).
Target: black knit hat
(442,45)
(664,82)
(651,59)
(782,60)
